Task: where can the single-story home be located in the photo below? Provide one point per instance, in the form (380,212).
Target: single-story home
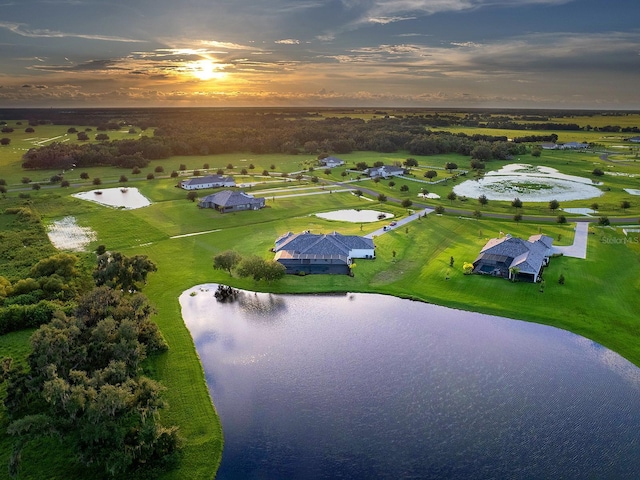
(231,201)
(549,146)
(573,146)
(635,139)
(385,171)
(209,181)
(310,253)
(508,256)
(331,162)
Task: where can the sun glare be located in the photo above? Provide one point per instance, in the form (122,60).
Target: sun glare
(206,70)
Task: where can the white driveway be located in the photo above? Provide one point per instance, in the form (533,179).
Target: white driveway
(579,247)
(400,223)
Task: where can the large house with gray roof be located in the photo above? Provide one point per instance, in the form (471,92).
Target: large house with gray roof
(307,253)
(209,181)
(231,201)
(510,256)
(385,171)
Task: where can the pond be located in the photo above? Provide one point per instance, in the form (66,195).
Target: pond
(365,386)
(356,216)
(126,198)
(529,183)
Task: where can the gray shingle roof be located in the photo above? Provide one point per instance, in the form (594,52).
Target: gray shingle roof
(208,179)
(322,244)
(230,198)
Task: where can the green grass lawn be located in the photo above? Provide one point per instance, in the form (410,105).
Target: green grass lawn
(597,301)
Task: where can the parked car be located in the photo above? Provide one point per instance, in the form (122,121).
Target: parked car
(393,224)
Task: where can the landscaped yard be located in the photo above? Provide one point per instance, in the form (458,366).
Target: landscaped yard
(598,299)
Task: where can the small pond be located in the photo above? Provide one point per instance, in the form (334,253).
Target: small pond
(362,386)
(356,216)
(126,198)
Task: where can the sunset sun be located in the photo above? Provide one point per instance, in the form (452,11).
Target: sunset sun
(206,69)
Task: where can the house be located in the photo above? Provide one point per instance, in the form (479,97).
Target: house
(384,171)
(549,146)
(310,253)
(331,162)
(231,201)
(509,256)
(210,181)
(573,146)
(635,139)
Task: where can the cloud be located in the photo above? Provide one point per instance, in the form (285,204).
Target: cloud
(288,41)
(20,29)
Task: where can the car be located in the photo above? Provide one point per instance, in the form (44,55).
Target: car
(393,224)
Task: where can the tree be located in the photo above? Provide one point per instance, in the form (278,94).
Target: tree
(192,195)
(123,179)
(430,174)
(159,169)
(25,180)
(5,141)
(273,270)
(174,174)
(382,197)
(36,186)
(357,193)
(554,205)
(83,386)
(82,136)
(624,204)
(251,166)
(226,260)
(265,173)
(595,207)
(327,171)
(536,151)
(604,221)
(272,167)
(65,183)
(451,166)
(150,176)
(97,181)
(229,166)
(439,210)
(3,181)
(252,266)
(404,188)
(561,279)
(243,171)
(182,166)
(392,184)
(120,272)
(135,170)
(101,137)
(72,130)
(314,179)
(452,196)
(483,200)
(477,214)
(517,217)
(516,203)
(410,162)
(406,203)
(597,172)
(561,219)
(205,166)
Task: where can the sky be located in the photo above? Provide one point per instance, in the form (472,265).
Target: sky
(320,53)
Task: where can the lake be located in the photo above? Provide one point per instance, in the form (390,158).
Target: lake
(362,386)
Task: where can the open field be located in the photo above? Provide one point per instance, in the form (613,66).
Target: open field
(598,299)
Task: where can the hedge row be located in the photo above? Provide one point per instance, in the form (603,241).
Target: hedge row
(19,317)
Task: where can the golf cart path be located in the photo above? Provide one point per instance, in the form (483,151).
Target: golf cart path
(579,247)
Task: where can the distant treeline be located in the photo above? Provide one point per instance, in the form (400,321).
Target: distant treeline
(191,132)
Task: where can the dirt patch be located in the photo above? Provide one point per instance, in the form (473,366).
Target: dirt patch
(66,234)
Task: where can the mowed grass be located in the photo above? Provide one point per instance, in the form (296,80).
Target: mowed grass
(598,299)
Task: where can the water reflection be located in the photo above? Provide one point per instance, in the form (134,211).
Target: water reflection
(368,386)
